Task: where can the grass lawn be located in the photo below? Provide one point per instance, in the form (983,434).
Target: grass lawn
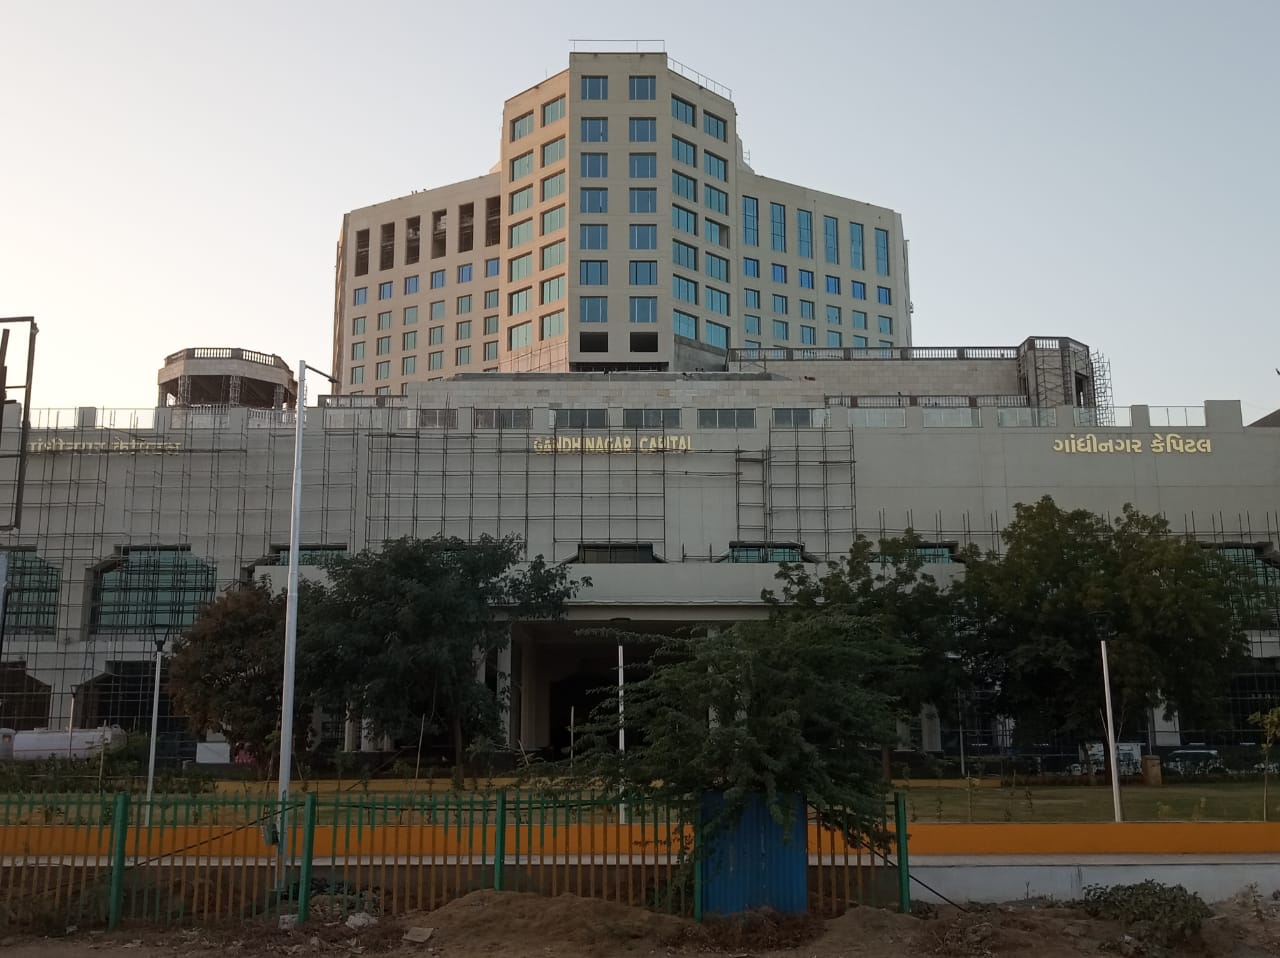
(1217,801)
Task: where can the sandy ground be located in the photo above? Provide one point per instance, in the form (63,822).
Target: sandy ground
(494,923)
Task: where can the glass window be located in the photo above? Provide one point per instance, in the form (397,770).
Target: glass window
(715,199)
(855,246)
(717,234)
(883,297)
(751,297)
(806,309)
(550,325)
(684,324)
(519,267)
(831,239)
(521,200)
(553,255)
(463,305)
(437,279)
(384,319)
(553,220)
(716,335)
(717,300)
(643,166)
(685,290)
(383,370)
(464,273)
(684,255)
(779,273)
(858,289)
(411,315)
(714,165)
(553,111)
(642,88)
(593,309)
(806,279)
(491,325)
(360,296)
(712,125)
(882,252)
(780,304)
(727,419)
(751,324)
(386,290)
(491,350)
(521,233)
(551,290)
(553,186)
(594,164)
(518,336)
(778,226)
(408,365)
(833,285)
(593,236)
(683,110)
(682,151)
(521,126)
(717,267)
(685,186)
(553,152)
(522,165)
(857,319)
(594,200)
(781,330)
(834,337)
(593,272)
(435,360)
(644,272)
(833,315)
(595,129)
(492,267)
(651,419)
(804,234)
(461,330)
(644,200)
(410,285)
(643,236)
(462,356)
(490,299)
(595,88)
(886,326)
(859,342)
(357,375)
(519,301)
(357,350)
(643,129)
(808,336)
(686,221)
(644,309)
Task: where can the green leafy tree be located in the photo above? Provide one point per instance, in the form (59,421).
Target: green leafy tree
(1033,617)
(395,636)
(781,708)
(1269,723)
(226,671)
(887,583)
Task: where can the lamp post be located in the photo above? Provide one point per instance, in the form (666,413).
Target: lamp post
(1103,622)
(160,641)
(291,617)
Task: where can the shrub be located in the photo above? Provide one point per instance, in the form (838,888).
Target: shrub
(1168,914)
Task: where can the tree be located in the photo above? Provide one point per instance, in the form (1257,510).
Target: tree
(1033,618)
(226,671)
(886,583)
(1269,723)
(783,708)
(396,635)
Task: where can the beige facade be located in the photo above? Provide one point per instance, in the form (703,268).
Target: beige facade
(621,219)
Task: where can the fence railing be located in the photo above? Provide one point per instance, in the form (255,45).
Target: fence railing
(107,860)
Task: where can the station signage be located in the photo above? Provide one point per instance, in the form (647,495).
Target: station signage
(44,446)
(611,444)
(1160,444)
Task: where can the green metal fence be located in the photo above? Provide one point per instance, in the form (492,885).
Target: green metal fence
(90,861)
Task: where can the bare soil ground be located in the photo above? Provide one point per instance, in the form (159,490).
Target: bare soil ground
(495,923)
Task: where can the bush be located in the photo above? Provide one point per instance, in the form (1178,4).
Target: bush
(1167,914)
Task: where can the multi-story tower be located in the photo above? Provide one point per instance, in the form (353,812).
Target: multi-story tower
(621,229)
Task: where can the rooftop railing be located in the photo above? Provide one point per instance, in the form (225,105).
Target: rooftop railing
(228,352)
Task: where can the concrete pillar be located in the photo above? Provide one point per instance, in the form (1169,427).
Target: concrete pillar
(504,691)
(368,740)
(350,736)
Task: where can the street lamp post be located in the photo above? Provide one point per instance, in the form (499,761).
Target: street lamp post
(1103,622)
(291,617)
(155,721)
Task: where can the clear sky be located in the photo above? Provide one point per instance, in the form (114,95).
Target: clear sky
(174,174)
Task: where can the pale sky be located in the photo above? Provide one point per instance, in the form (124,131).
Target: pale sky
(174,173)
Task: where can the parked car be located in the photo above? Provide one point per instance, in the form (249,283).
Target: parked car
(1194,762)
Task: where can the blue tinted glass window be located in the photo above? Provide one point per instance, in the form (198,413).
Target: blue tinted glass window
(886,325)
(808,336)
(833,285)
(716,335)
(593,272)
(715,166)
(683,110)
(831,239)
(595,88)
(682,151)
(386,290)
(685,186)
(643,166)
(750,267)
(778,227)
(781,330)
(594,164)
(751,324)
(779,273)
(806,309)
(779,303)
(522,166)
(360,296)
(859,342)
(752,298)
(833,315)
(751,221)
(855,246)
(684,255)
(717,234)
(410,285)
(858,289)
(715,199)
(806,279)
(643,129)
(644,201)
(684,220)
(804,233)
(712,125)
(717,267)
(834,337)
(593,309)
(643,236)
(644,309)
(685,290)
(857,319)
(464,273)
(642,88)
(594,200)
(882,252)
(717,300)
(644,273)
(684,324)
(492,267)
(595,129)
(883,296)
(593,236)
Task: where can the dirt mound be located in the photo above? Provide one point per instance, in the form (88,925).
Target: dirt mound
(879,923)
(493,919)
